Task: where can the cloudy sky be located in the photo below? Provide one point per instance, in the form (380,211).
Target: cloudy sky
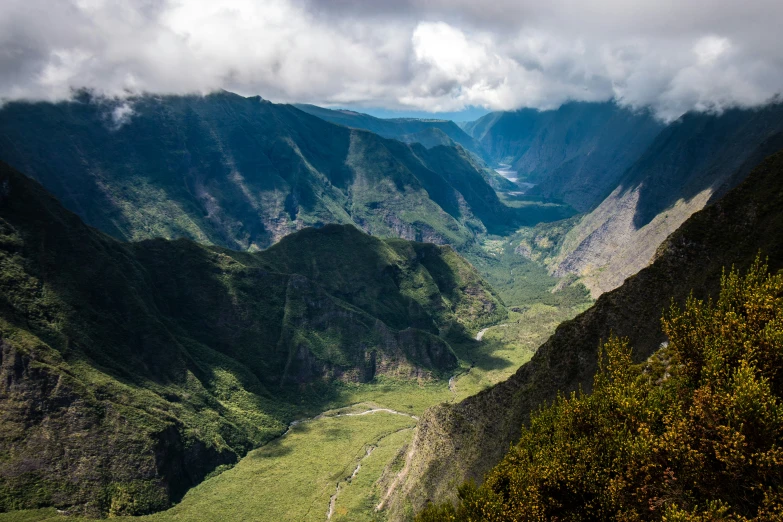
(411,55)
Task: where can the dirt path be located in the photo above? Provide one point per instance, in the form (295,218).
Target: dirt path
(357,414)
(333,498)
(370,449)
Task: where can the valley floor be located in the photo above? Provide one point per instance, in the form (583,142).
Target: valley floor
(341,464)
(296,476)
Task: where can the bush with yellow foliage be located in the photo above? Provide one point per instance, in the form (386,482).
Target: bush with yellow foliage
(693,434)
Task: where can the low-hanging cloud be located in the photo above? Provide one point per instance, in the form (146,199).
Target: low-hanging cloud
(432,55)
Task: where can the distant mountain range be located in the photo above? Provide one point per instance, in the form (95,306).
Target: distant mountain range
(243,172)
(577,153)
(428,132)
(131,370)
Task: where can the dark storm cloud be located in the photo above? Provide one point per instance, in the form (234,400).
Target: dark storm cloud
(433,55)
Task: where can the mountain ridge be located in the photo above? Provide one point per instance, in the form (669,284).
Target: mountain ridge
(403,129)
(242,172)
(692,162)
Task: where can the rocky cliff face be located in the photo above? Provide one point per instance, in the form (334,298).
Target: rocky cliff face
(67,445)
(692,162)
(462,441)
(131,370)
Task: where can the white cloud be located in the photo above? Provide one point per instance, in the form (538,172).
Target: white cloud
(435,55)
(121,114)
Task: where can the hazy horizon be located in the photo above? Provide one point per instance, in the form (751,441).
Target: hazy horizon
(448,59)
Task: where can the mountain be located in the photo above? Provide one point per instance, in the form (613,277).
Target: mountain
(577,153)
(243,172)
(456,442)
(428,132)
(692,162)
(129,371)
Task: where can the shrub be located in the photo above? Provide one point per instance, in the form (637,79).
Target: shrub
(693,434)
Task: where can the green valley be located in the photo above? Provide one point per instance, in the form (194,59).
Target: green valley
(191,356)
(418,261)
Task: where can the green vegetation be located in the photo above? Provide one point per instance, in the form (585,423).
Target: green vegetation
(242,173)
(519,280)
(692,434)
(506,347)
(132,371)
(186,357)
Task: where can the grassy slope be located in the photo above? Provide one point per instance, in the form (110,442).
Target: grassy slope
(462,441)
(151,363)
(289,479)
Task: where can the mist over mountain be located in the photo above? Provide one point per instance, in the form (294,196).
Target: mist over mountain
(430,55)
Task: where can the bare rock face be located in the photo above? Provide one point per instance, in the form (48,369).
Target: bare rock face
(460,442)
(609,248)
(693,162)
